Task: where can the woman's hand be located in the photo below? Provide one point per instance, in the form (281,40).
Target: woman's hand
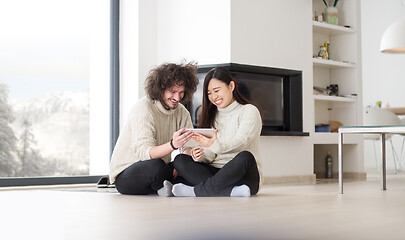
(197,153)
(181,137)
(203,140)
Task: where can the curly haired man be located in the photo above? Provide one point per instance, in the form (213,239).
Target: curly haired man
(140,163)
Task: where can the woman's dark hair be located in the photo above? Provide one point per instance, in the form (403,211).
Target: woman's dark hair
(209,110)
(168,75)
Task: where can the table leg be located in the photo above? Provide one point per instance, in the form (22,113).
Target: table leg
(383,163)
(340,159)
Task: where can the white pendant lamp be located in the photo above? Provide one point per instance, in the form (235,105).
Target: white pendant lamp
(393,39)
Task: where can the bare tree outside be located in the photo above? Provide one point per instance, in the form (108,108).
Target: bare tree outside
(31,160)
(8,140)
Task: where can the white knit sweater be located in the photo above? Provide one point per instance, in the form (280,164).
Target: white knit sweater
(149,124)
(239,127)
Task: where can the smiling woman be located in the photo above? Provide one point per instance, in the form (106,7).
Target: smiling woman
(53,83)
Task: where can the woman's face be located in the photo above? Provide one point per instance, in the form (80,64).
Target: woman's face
(219,93)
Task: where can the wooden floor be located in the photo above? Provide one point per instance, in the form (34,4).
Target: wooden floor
(278,212)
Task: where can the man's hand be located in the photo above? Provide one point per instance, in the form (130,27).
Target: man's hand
(181,137)
(205,142)
(197,153)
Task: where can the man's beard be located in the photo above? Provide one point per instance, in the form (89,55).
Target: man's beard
(167,107)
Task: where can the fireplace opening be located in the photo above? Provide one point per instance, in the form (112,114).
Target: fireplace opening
(277,93)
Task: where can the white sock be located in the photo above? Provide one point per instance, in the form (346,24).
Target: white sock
(166,190)
(240,191)
(182,190)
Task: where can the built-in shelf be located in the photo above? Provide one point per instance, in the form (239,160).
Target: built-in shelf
(329,29)
(344,69)
(334,99)
(333,138)
(331,64)
(284,133)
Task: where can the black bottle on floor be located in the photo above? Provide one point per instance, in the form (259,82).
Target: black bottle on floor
(329,165)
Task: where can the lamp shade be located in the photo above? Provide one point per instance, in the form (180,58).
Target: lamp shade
(393,39)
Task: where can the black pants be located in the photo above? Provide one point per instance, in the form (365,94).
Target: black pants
(211,181)
(145,177)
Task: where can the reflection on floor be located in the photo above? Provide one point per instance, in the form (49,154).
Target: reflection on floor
(278,212)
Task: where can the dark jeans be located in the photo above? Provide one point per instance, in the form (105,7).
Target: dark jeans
(211,181)
(145,177)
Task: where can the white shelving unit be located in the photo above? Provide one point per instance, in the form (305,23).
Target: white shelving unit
(325,28)
(344,69)
(331,64)
(334,99)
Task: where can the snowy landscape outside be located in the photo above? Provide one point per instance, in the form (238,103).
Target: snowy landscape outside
(45,136)
(44,89)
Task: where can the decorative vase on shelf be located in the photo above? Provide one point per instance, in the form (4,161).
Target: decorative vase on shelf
(332,15)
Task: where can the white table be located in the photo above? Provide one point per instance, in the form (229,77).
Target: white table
(382,130)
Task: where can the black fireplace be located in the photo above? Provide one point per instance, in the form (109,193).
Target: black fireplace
(277,93)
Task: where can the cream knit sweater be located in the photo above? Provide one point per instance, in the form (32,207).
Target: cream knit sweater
(239,127)
(149,124)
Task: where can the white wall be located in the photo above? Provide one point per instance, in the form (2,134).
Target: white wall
(147,21)
(383,74)
(278,33)
(193,30)
(99,89)
(273,33)
(129,61)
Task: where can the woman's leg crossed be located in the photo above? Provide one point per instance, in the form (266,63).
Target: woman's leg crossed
(193,172)
(242,169)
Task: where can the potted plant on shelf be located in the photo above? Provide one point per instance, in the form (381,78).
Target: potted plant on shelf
(331,13)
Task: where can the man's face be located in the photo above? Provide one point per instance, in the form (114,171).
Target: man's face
(172,96)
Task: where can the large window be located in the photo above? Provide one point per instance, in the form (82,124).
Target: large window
(54,88)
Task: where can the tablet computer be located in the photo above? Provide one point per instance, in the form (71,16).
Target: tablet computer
(208,132)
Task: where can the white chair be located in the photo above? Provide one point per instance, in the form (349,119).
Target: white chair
(381,117)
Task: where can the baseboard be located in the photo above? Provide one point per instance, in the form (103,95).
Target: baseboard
(354,175)
(296,179)
(346,175)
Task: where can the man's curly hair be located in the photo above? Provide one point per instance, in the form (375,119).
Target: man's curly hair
(168,75)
